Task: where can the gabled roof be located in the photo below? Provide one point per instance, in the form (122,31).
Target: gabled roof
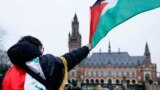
(113,58)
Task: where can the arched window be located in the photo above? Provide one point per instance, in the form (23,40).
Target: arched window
(97,81)
(133,82)
(87,81)
(109,81)
(102,81)
(147,77)
(92,81)
(117,81)
(128,81)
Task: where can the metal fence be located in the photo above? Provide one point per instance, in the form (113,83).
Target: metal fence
(86,86)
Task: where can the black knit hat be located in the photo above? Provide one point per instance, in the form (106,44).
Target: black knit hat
(22,52)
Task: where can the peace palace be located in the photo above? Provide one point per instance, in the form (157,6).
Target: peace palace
(110,67)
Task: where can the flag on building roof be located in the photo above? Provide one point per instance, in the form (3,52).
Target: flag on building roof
(107,14)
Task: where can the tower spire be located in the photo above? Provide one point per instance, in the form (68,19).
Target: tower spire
(75,17)
(147,56)
(147,52)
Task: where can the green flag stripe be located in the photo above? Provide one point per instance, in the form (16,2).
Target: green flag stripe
(124,10)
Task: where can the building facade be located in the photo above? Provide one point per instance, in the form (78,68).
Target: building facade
(111,67)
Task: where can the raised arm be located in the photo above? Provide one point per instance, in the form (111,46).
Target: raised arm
(76,56)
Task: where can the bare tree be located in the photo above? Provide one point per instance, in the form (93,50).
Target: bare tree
(4,60)
(2,35)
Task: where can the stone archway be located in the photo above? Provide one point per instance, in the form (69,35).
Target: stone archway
(102,81)
(147,77)
(117,81)
(128,82)
(109,81)
(92,81)
(97,81)
(133,82)
(87,81)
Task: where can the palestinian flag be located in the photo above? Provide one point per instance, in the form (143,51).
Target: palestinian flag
(107,14)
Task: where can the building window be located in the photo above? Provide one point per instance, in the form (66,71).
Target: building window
(117,81)
(96,73)
(122,73)
(109,81)
(92,81)
(147,77)
(87,81)
(102,81)
(133,74)
(117,73)
(91,73)
(97,81)
(133,82)
(109,73)
(113,73)
(101,73)
(86,73)
(128,74)
(106,73)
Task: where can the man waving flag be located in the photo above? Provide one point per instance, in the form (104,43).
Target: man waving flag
(107,14)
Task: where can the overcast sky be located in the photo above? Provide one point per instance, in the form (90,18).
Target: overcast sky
(50,21)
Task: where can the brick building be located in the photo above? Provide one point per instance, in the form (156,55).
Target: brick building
(110,67)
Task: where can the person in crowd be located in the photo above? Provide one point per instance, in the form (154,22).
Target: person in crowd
(31,70)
